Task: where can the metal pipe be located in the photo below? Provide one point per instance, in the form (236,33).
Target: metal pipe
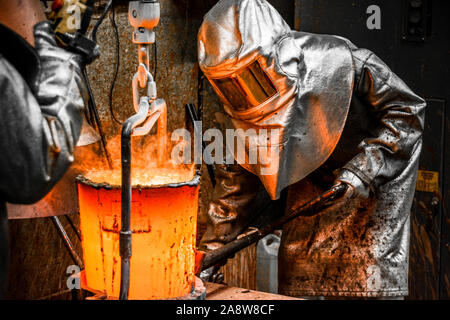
(74,228)
(125,231)
(193,116)
(143,16)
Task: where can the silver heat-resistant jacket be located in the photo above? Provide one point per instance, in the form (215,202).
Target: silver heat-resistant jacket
(360,245)
(42,97)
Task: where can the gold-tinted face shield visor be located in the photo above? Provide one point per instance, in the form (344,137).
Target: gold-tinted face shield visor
(245,89)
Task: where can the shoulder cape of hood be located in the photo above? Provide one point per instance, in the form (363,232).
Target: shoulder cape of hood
(314,118)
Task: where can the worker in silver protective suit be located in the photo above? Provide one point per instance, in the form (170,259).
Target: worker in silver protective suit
(42,97)
(342,116)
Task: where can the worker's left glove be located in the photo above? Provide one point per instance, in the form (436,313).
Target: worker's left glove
(60,90)
(356,188)
(61,76)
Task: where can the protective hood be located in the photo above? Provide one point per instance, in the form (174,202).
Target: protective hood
(285,93)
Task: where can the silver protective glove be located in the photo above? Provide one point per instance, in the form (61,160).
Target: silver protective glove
(40,123)
(356,188)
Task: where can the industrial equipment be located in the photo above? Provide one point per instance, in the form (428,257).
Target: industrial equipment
(143,16)
(154,234)
(163,221)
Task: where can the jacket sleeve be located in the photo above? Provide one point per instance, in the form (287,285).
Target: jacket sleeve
(39,126)
(400,117)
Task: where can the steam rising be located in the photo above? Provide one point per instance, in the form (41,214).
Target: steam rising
(145,170)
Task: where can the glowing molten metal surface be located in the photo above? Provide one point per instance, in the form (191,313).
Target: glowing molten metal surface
(163,222)
(142,177)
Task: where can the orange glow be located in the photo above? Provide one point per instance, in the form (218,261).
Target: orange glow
(142,177)
(163,222)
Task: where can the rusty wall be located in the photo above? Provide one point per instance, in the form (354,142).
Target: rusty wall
(38,260)
(177,72)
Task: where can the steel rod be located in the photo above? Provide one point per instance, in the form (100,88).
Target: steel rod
(125,232)
(213,257)
(74,228)
(67,243)
(194,117)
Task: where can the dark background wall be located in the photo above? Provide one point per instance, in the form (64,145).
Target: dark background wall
(421,60)
(38,257)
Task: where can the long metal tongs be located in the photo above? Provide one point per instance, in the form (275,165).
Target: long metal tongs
(205,260)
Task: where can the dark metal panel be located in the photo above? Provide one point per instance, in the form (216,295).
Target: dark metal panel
(445,225)
(286,9)
(417,63)
(348,18)
(426,211)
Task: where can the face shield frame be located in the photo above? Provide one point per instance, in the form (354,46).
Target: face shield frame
(246,88)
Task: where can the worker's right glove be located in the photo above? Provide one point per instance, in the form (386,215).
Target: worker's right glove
(356,188)
(356,194)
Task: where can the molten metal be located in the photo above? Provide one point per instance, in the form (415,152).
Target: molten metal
(163,222)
